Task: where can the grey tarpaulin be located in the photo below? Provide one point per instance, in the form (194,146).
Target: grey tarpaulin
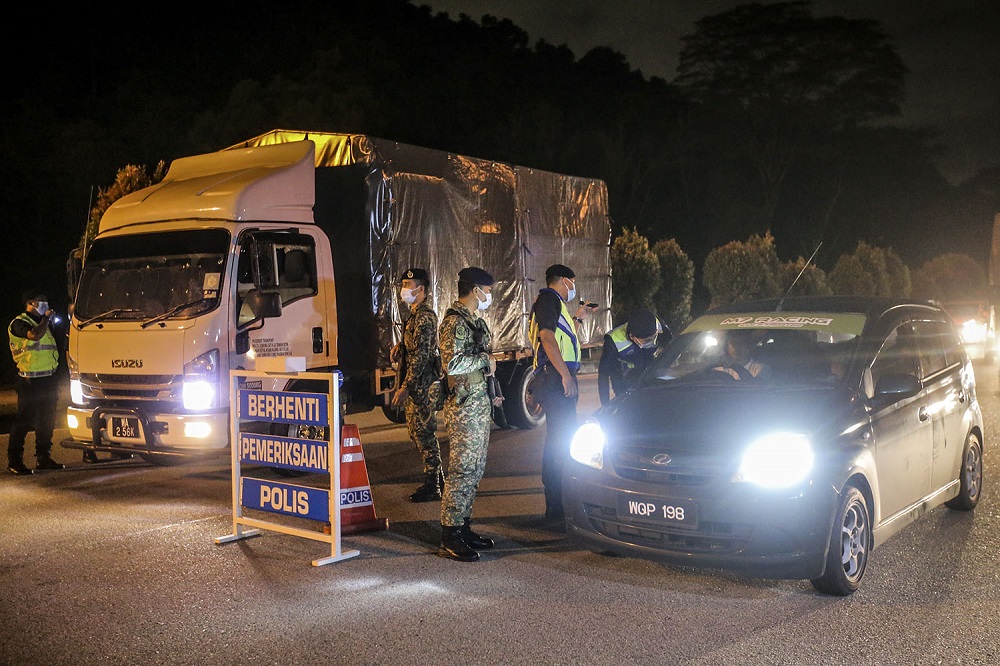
(443,212)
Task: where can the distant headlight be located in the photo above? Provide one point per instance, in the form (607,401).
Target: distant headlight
(973,331)
(777,461)
(587,445)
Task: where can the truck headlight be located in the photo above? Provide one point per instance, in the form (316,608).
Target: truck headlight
(201,382)
(587,445)
(75,385)
(779,460)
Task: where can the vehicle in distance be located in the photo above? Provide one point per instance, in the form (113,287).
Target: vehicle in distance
(783,439)
(972,319)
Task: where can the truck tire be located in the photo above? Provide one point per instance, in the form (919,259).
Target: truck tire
(520,407)
(394,414)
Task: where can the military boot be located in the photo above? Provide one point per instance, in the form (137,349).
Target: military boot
(475,541)
(430,491)
(453,546)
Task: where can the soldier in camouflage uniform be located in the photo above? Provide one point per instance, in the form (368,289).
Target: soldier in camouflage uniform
(419,388)
(465,344)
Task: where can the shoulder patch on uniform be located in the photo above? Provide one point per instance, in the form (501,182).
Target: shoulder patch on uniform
(461,332)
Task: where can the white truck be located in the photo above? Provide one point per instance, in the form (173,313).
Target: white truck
(292,244)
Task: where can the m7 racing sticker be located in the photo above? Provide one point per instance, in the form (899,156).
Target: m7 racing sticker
(849,323)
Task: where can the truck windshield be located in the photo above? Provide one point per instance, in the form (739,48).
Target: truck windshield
(140,276)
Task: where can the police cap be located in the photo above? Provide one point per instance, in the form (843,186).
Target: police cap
(476,276)
(33,295)
(558,270)
(415,274)
(642,323)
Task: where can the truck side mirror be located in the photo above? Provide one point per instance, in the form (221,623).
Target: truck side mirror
(242,342)
(264,305)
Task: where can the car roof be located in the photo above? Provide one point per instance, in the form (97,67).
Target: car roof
(872,307)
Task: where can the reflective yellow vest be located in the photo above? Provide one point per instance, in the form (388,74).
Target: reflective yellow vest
(565,333)
(622,342)
(34,358)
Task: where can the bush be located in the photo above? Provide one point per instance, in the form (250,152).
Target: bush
(635,275)
(870,271)
(739,271)
(672,301)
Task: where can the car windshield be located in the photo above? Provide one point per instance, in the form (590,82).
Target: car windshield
(786,349)
(140,276)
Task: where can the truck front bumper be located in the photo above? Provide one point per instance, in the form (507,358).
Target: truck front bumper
(134,430)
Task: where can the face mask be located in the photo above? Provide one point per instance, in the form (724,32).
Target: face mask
(571,294)
(484,304)
(42,307)
(648,344)
(407,296)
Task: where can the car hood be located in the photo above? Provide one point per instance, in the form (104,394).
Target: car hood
(711,419)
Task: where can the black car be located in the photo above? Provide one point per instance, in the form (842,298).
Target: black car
(783,439)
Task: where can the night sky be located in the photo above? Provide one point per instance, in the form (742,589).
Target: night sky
(951,48)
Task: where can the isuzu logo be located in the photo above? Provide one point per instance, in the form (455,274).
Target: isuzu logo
(661,459)
(126,363)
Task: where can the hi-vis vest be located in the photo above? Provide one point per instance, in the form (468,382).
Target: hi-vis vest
(565,333)
(622,342)
(34,358)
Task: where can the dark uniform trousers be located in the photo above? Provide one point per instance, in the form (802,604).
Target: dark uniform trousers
(560,424)
(36,410)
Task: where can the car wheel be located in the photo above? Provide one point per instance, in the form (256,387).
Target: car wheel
(850,543)
(394,414)
(970,476)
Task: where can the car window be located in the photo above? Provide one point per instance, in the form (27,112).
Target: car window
(898,354)
(937,345)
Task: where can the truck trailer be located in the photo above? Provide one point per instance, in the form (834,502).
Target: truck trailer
(292,244)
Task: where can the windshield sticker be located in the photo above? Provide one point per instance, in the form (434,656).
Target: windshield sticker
(849,323)
(210,286)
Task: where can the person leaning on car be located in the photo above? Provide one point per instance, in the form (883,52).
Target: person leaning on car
(36,354)
(628,351)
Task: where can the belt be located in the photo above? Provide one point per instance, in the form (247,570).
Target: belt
(470,378)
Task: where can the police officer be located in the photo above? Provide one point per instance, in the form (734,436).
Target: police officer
(555,338)
(420,381)
(36,354)
(628,351)
(465,344)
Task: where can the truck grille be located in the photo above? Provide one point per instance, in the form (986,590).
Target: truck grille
(132,387)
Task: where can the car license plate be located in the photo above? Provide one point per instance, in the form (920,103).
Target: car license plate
(125,427)
(656,510)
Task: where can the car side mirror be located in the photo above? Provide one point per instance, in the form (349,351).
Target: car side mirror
(897,386)
(264,304)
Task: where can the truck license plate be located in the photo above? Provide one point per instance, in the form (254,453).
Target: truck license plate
(125,427)
(659,511)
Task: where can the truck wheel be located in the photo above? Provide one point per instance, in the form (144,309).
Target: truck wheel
(394,414)
(520,406)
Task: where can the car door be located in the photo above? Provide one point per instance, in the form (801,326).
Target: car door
(941,375)
(901,427)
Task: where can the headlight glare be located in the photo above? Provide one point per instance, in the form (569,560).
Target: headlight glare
(201,382)
(587,445)
(779,460)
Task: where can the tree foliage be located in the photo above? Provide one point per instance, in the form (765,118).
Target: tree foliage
(800,279)
(672,301)
(870,271)
(742,270)
(950,277)
(635,274)
(130,178)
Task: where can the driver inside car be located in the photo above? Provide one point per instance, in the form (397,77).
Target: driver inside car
(739,361)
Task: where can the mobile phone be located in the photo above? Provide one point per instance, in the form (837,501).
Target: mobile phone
(589,305)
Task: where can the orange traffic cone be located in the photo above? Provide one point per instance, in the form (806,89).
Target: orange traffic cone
(357,506)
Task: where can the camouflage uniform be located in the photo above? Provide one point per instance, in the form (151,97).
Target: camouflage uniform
(465,337)
(420,379)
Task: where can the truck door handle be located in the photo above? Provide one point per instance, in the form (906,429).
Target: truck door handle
(923,414)
(317,336)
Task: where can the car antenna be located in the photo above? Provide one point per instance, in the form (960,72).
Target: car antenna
(792,286)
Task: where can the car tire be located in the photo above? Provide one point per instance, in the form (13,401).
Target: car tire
(970,476)
(850,545)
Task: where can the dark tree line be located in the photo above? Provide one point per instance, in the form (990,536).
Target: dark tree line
(779,120)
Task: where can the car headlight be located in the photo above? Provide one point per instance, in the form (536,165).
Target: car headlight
(778,460)
(201,382)
(587,445)
(973,331)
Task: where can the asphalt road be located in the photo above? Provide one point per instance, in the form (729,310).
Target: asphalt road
(116,563)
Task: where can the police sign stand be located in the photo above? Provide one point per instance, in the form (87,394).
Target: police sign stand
(249,403)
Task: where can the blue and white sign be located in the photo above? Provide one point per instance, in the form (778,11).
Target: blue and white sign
(285,498)
(307,455)
(284,407)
